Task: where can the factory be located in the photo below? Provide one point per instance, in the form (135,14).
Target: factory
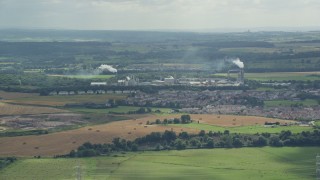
(171,81)
(129,81)
(240,73)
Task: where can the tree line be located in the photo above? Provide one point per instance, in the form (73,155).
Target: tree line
(170,140)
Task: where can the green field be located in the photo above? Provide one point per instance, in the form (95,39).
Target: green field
(267,163)
(307,102)
(246,129)
(119,109)
(279,76)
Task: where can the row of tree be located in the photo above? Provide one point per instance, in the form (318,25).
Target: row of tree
(184,119)
(169,140)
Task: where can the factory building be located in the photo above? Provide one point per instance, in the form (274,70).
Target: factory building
(129,81)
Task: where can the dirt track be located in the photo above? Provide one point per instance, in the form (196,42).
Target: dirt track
(64,142)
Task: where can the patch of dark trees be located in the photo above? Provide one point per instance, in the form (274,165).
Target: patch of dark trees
(170,140)
(141,110)
(184,119)
(23,133)
(6,161)
(248,101)
(236,44)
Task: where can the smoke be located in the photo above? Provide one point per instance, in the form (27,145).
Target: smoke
(239,63)
(106,67)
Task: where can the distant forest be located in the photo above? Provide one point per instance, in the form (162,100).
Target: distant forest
(260,51)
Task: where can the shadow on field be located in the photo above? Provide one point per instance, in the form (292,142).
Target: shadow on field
(300,161)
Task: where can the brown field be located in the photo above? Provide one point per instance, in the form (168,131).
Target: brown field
(64,142)
(63,100)
(233,121)
(10,109)
(16,95)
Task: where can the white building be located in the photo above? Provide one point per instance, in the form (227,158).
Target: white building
(98,84)
(170,80)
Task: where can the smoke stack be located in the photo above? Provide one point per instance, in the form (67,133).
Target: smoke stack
(106,67)
(241,76)
(239,63)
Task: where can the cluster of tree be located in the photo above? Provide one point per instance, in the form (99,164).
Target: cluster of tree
(304,96)
(184,119)
(248,101)
(40,80)
(170,140)
(6,161)
(87,105)
(141,110)
(23,133)
(306,84)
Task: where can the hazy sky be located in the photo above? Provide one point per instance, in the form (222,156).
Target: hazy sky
(158,14)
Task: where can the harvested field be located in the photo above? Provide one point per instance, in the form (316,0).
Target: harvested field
(64,142)
(10,109)
(234,121)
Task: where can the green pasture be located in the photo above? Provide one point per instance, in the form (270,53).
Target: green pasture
(294,163)
(279,76)
(246,129)
(307,102)
(119,109)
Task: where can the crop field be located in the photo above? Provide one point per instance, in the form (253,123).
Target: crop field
(240,124)
(63,142)
(234,121)
(307,102)
(63,100)
(10,109)
(246,129)
(87,76)
(280,76)
(266,163)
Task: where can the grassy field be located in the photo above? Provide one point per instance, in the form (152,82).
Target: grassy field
(62,100)
(307,102)
(119,109)
(87,76)
(280,76)
(10,109)
(267,163)
(245,129)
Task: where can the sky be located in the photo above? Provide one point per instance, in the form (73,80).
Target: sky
(159,14)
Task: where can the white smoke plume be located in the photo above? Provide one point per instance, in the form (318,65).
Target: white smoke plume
(238,62)
(106,67)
